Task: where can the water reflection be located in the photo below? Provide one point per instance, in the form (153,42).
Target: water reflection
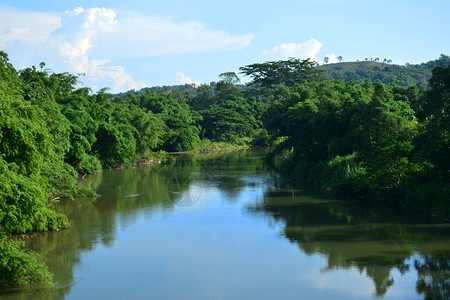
(211,209)
(434,275)
(126,195)
(374,238)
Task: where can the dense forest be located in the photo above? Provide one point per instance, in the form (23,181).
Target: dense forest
(370,140)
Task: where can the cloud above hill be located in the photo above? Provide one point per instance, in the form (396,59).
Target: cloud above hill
(182,78)
(308,49)
(90,41)
(332,58)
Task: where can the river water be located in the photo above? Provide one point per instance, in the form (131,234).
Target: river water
(223,226)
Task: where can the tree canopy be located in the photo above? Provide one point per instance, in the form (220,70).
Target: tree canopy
(285,72)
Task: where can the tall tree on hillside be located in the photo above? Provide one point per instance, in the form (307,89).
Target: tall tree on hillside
(227,86)
(230,77)
(285,72)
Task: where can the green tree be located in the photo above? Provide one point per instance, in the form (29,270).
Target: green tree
(285,72)
(27,157)
(228,121)
(434,141)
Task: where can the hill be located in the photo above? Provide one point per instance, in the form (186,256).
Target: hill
(403,75)
(406,75)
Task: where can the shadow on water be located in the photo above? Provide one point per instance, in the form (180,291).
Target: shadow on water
(375,238)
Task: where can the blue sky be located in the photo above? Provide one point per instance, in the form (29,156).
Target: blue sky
(132,44)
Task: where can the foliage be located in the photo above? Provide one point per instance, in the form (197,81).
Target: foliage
(285,72)
(24,207)
(261,137)
(28,157)
(115,145)
(385,73)
(19,268)
(177,126)
(228,121)
(31,152)
(366,139)
(434,141)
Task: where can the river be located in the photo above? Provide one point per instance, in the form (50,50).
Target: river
(224,226)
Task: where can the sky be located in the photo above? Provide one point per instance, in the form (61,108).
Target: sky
(132,44)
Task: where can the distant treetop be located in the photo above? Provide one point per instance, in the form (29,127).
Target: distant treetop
(376,71)
(285,72)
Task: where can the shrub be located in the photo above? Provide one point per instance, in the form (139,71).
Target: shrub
(20,268)
(23,205)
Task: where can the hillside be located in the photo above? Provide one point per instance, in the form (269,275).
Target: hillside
(403,75)
(386,73)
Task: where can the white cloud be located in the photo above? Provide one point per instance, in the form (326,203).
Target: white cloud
(28,28)
(186,80)
(80,26)
(99,74)
(332,58)
(79,29)
(145,36)
(308,49)
(90,40)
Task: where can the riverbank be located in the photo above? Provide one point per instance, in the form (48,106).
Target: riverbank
(208,150)
(345,178)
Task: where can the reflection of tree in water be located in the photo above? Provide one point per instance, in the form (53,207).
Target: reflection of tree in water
(96,221)
(222,170)
(62,248)
(373,239)
(434,276)
(379,269)
(125,195)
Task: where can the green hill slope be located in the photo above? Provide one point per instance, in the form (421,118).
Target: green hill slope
(386,73)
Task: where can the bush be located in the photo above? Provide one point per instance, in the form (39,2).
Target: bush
(261,137)
(20,268)
(24,206)
(344,174)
